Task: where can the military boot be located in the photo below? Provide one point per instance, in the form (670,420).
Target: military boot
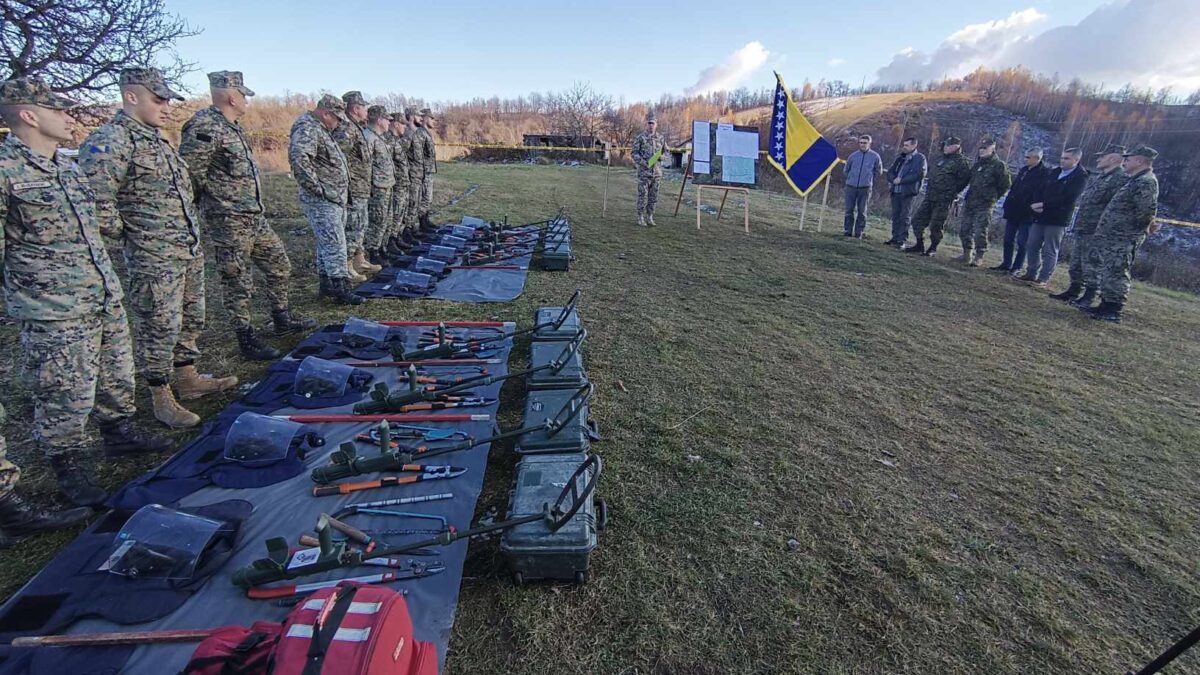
(1107,311)
(119,438)
(641,220)
(1070,294)
(168,411)
(325,289)
(977,260)
(964,257)
(192,385)
(253,348)
(287,323)
(932,250)
(650,219)
(19,519)
(355,277)
(342,294)
(363,265)
(74,482)
(917,247)
(1085,301)
(427,224)
(376,257)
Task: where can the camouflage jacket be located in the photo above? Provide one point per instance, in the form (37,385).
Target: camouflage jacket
(222,164)
(136,173)
(644,147)
(349,137)
(1100,189)
(400,161)
(55,263)
(316,161)
(383,171)
(947,177)
(1132,209)
(990,179)
(424,150)
(416,163)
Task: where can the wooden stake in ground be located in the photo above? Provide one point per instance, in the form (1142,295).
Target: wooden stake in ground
(824,204)
(803,212)
(607,170)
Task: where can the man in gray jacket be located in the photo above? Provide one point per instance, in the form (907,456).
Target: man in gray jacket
(861,168)
(906,175)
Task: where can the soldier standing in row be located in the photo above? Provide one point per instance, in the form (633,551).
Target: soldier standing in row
(349,137)
(400,138)
(1126,221)
(416,175)
(226,179)
(948,176)
(60,286)
(649,146)
(428,152)
(990,179)
(320,171)
(383,179)
(1100,190)
(144,196)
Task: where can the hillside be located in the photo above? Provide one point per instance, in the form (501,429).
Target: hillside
(821,456)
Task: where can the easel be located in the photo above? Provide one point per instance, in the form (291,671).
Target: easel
(725,194)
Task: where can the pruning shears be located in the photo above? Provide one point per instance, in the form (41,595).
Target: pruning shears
(397,430)
(412,570)
(423,473)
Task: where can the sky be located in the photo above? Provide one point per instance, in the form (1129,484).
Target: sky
(636,51)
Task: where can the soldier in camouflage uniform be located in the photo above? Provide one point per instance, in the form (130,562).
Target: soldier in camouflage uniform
(60,286)
(416,176)
(320,171)
(383,179)
(428,152)
(226,179)
(349,137)
(144,197)
(990,179)
(1123,226)
(400,139)
(648,144)
(1101,187)
(949,174)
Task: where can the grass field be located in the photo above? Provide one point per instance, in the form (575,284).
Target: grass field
(822,456)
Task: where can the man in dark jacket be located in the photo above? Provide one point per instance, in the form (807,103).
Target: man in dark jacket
(906,175)
(1018,217)
(1052,215)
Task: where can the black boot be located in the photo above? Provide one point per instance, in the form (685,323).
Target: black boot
(1107,311)
(376,257)
(1085,301)
(74,483)
(342,293)
(253,348)
(287,323)
(120,438)
(1070,294)
(19,519)
(426,224)
(917,247)
(932,250)
(325,290)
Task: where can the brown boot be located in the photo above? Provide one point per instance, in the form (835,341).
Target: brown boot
(192,385)
(363,265)
(169,412)
(355,277)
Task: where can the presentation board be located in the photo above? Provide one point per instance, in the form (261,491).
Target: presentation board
(724,154)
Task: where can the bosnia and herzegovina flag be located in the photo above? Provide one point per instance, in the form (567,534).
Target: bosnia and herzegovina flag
(796,148)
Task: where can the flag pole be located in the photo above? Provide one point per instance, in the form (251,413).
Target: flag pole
(803,212)
(824,204)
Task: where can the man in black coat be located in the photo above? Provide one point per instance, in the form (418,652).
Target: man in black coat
(906,175)
(1018,217)
(1052,215)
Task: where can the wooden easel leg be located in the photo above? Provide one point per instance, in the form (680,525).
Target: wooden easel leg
(724,196)
(679,199)
(746,210)
(697,205)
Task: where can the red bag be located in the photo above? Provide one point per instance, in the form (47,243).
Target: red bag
(349,629)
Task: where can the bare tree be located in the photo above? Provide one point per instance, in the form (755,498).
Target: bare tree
(80,46)
(578,111)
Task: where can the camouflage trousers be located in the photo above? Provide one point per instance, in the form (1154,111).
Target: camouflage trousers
(426,195)
(168,301)
(78,366)
(415,185)
(930,214)
(399,211)
(358,218)
(976,222)
(1082,270)
(647,197)
(1112,260)
(380,218)
(327,221)
(10,473)
(243,242)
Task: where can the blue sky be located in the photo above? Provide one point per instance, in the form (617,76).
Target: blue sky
(633,50)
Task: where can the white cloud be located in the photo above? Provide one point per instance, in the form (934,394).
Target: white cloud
(1144,42)
(835,62)
(733,71)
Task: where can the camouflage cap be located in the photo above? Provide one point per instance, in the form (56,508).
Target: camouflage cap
(333,104)
(376,112)
(410,111)
(354,97)
(650,117)
(229,79)
(1142,151)
(397,116)
(952,140)
(426,112)
(33,91)
(1113,149)
(987,142)
(150,78)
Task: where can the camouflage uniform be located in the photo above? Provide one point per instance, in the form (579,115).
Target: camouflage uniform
(1121,230)
(990,179)
(226,177)
(144,194)
(60,285)
(383,179)
(10,474)
(644,147)
(947,177)
(401,151)
(349,137)
(1096,195)
(428,154)
(320,171)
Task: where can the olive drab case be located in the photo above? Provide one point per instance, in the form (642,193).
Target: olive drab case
(568,375)
(562,415)
(546,317)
